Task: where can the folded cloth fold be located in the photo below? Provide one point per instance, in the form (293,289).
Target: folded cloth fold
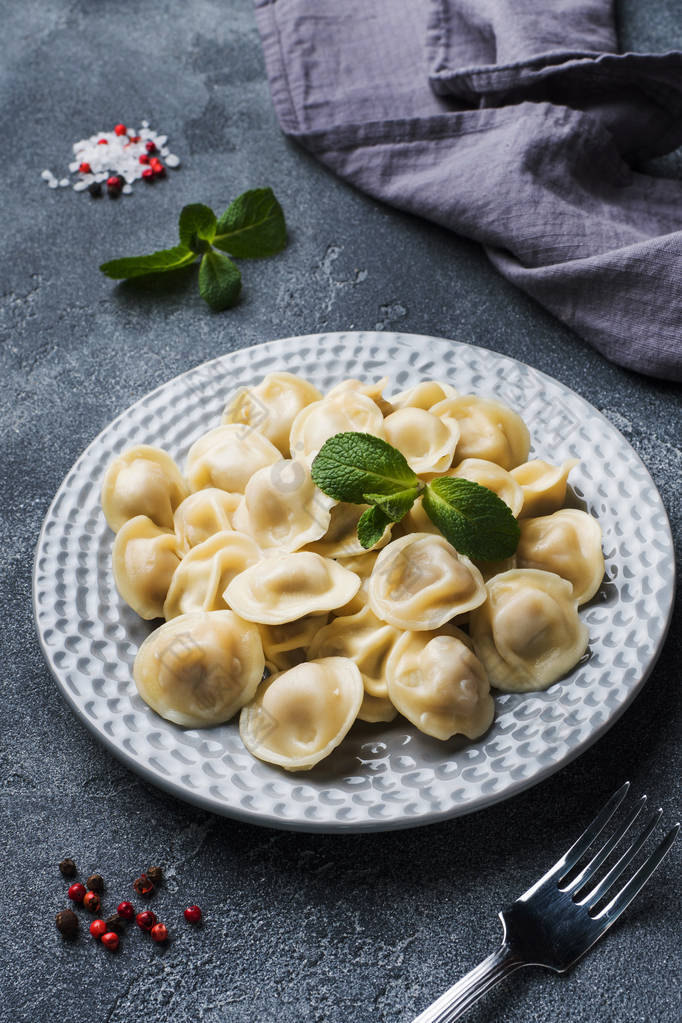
(512,123)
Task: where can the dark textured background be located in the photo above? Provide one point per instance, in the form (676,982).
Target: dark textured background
(298,928)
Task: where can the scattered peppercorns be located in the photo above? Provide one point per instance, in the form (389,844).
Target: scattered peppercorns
(159,932)
(150,147)
(144,886)
(67,923)
(76,892)
(146,920)
(98,928)
(110,940)
(68,867)
(126,910)
(155,875)
(95,189)
(91,902)
(193,915)
(95,883)
(120,129)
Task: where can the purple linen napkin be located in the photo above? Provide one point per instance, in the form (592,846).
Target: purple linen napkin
(513,123)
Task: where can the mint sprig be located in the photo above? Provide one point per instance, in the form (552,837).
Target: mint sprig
(359,468)
(473,518)
(252,227)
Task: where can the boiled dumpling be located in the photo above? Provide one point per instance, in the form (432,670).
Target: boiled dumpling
(200,579)
(200,669)
(488,430)
(528,633)
(427,441)
(567,543)
(289,586)
(423,395)
(375,709)
(271,406)
(227,458)
(366,640)
(373,391)
(282,508)
(420,582)
(543,485)
(341,539)
(202,515)
(494,477)
(286,645)
(362,565)
(298,717)
(347,411)
(144,560)
(142,481)
(437,682)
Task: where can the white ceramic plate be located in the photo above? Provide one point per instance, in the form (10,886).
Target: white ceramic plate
(382,776)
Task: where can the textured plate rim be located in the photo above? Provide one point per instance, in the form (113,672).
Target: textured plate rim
(270,820)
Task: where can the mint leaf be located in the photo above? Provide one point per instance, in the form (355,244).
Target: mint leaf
(395,506)
(252,226)
(219,280)
(371,527)
(472,518)
(350,465)
(197,227)
(155,263)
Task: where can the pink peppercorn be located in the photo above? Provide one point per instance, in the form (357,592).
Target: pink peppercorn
(77,892)
(144,158)
(148,174)
(126,910)
(120,129)
(193,915)
(150,147)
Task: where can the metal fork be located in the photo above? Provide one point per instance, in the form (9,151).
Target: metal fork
(554,923)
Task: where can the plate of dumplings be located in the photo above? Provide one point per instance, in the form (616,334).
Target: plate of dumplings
(213,618)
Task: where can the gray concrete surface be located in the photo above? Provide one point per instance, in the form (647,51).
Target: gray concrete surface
(298,929)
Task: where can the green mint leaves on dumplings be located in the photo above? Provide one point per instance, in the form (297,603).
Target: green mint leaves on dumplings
(252,227)
(359,468)
(351,466)
(472,518)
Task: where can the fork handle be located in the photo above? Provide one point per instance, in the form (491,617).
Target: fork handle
(457,999)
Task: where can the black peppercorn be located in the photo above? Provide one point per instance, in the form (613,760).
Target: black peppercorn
(95,883)
(95,189)
(67,923)
(68,867)
(155,874)
(144,886)
(115,923)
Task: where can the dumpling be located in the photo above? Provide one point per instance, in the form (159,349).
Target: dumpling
(341,538)
(528,633)
(298,717)
(488,430)
(286,645)
(373,391)
(494,477)
(346,411)
(362,565)
(202,515)
(282,508)
(567,543)
(543,485)
(271,406)
(427,441)
(423,395)
(144,560)
(227,458)
(200,669)
(420,582)
(289,586)
(375,709)
(200,579)
(437,682)
(365,640)
(142,481)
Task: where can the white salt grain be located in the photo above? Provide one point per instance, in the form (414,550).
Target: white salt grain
(127,189)
(46,175)
(172,160)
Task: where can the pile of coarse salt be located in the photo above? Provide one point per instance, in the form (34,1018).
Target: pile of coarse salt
(116,158)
